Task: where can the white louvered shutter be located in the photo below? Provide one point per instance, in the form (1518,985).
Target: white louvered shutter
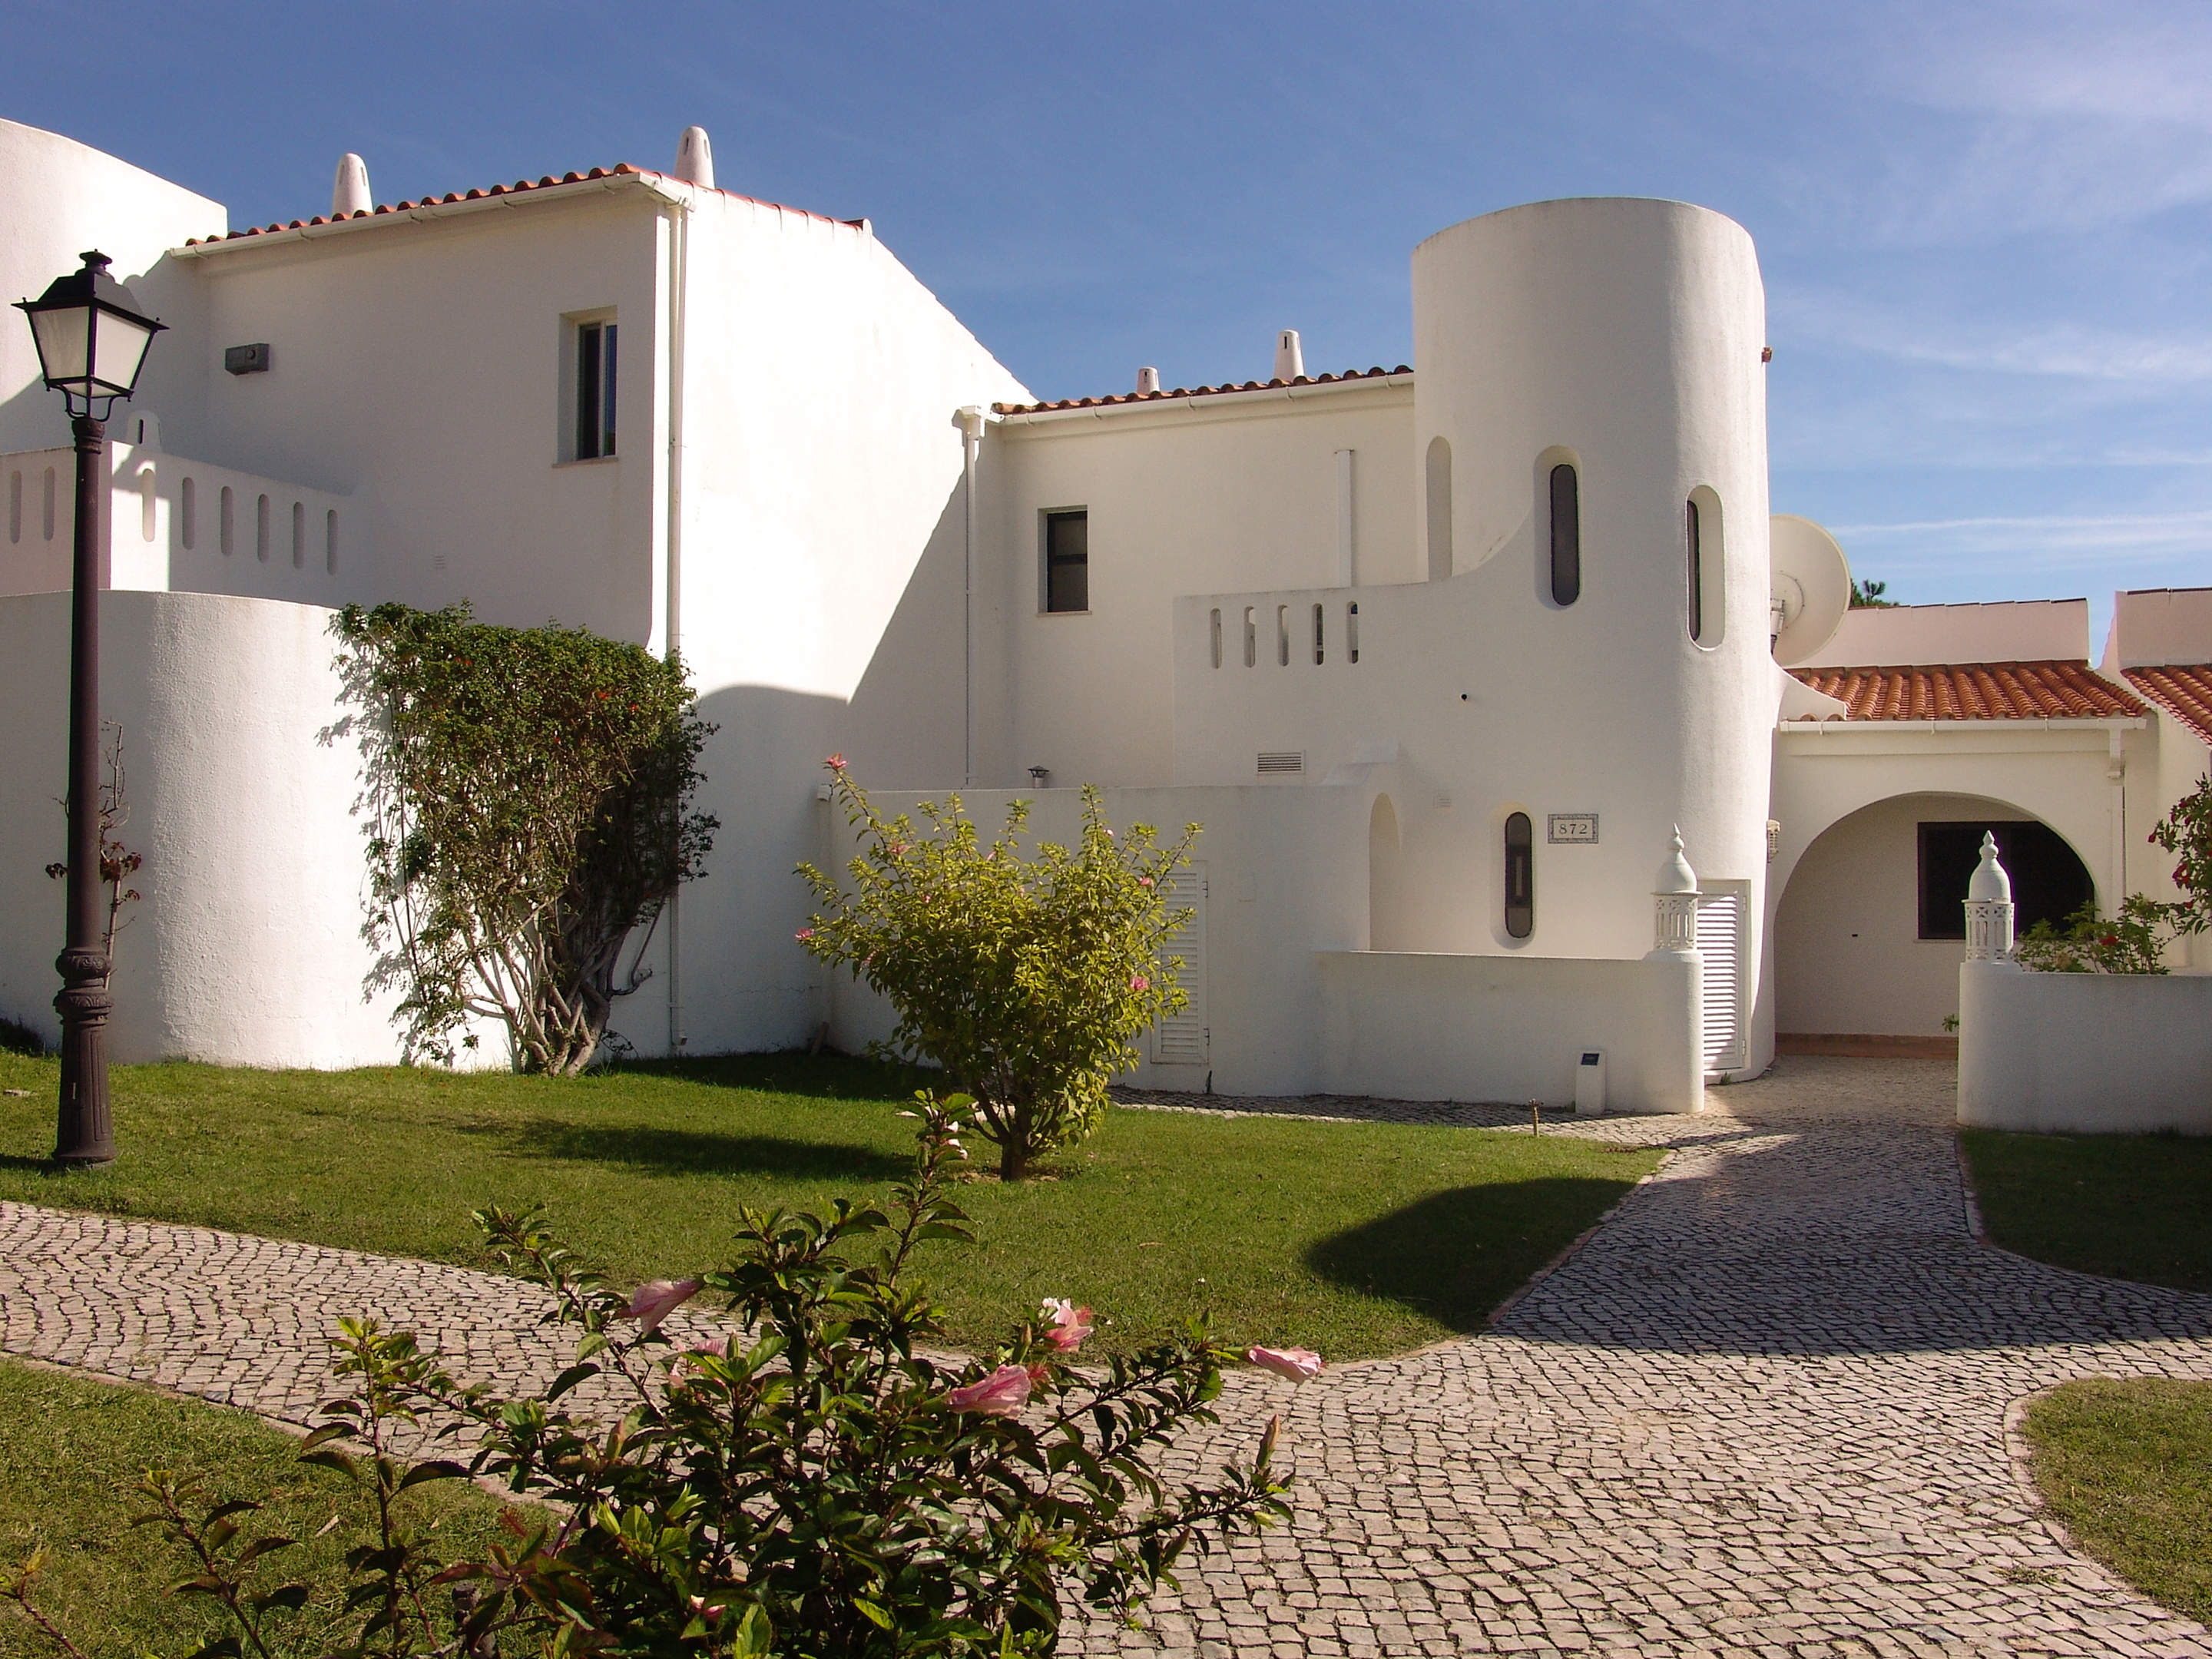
(1183,1039)
(1720,943)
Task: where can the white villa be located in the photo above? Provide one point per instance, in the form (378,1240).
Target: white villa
(1442,656)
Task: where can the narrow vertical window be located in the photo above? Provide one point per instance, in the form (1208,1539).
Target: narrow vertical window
(1567,535)
(1282,636)
(15,505)
(595,391)
(1213,632)
(1351,631)
(1317,640)
(261,529)
(188,509)
(230,522)
(49,514)
(1707,536)
(1696,578)
(1067,561)
(330,541)
(299,535)
(1440,510)
(1251,635)
(1520,875)
(148,504)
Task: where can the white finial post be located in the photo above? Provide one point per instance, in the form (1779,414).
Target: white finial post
(1148,380)
(1290,360)
(349,190)
(1988,908)
(1675,901)
(695,158)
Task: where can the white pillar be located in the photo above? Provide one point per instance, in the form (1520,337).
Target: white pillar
(1988,908)
(1674,902)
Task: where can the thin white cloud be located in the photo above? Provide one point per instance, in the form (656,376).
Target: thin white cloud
(2045,541)
(1926,333)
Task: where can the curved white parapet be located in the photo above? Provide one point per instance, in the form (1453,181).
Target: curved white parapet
(246,947)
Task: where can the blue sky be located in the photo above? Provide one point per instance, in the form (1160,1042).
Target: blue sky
(1983,227)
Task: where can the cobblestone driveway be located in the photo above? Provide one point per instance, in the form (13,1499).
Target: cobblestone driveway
(1762,1411)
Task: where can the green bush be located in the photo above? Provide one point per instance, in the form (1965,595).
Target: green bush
(1024,979)
(2132,943)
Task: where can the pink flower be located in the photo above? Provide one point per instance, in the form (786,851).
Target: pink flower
(718,1349)
(835,762)
(1069,1323)
(657,1299)
(1138,982)
(1296,1364)
(1144,881)
(1002,1393)
(803,934)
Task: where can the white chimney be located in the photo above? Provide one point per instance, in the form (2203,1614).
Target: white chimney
(1290,362)
(1148,380)
(695,158)
(349,191)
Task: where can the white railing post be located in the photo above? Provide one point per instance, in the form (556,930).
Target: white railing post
(1988,908)
(1674,902)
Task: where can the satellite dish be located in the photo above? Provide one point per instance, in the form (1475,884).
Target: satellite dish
(1810,585)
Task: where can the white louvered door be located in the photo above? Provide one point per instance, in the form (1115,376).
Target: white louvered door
(1183,1039)
(1720,944)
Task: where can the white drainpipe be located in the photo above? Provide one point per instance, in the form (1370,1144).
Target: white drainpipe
(679,225)
(971,435)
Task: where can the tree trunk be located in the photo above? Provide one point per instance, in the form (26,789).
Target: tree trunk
(1014,1158)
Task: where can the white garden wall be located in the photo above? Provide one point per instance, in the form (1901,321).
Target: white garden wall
(246,949)
(1408,1026)
(2084,1054)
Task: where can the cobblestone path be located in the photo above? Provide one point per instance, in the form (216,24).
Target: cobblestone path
(1763,1411)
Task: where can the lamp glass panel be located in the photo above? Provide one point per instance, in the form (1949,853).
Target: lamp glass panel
(120,348)
(62,336)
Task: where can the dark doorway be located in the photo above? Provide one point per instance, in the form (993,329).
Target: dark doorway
(2049,883)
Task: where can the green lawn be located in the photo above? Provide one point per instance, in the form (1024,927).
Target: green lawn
(2127,1207)
(71,1451)
(2128,1467)
(1354,1239)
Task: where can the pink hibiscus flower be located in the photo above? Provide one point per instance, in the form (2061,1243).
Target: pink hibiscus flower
(1296,1364)
(1002,1393)
(1067,1324)
(657,1299)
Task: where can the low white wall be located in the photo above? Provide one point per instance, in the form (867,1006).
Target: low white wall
(1409,1026)
(2084,1054)
(246,949)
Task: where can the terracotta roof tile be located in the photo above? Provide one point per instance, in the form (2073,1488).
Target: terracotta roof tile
(1377,373)
(2184,690)
(1974,691)
(620,170)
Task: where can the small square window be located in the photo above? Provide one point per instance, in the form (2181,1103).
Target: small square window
(1067,559)
(592,399)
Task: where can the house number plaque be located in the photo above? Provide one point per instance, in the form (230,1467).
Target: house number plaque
(1571,829)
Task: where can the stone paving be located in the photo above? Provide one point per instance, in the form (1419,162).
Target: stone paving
(1764,1410)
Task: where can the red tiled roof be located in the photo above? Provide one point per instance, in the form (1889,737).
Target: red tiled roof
(1974,691)
(1377,373)
(620,170)
(2184,691)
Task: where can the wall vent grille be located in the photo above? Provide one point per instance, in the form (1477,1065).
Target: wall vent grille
(1279,762)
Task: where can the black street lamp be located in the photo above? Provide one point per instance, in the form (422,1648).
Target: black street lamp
(92,341)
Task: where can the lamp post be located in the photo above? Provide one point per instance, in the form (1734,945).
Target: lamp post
(92,342)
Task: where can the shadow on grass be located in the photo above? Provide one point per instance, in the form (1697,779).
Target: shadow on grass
(654,1151)
(819,1077)
(1455,1255)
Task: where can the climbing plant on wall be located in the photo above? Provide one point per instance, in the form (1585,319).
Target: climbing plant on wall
(528,804)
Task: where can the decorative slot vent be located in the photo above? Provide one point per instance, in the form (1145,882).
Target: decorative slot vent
(1276,762)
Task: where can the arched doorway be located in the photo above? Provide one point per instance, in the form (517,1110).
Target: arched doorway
(1869,934)
(1386,878)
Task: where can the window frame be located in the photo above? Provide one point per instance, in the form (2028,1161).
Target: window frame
(590,388)
(1520,858)
(1048,558)
(1563,548)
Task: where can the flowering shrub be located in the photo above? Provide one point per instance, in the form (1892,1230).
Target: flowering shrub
(2131,943)
(1025,979)
(527,801)
(2187,830)
(809,1482)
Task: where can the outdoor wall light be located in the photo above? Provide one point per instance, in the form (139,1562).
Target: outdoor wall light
(92,341)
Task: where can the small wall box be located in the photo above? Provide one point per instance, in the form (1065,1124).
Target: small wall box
(246,359)
(1589,1084)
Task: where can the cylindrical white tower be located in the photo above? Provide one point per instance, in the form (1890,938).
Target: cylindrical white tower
(1590,430)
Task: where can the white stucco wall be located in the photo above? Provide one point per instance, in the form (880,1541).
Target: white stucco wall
(2084,1054)
(2005,630)
(60,198)
(246,948)
(1408,1026)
